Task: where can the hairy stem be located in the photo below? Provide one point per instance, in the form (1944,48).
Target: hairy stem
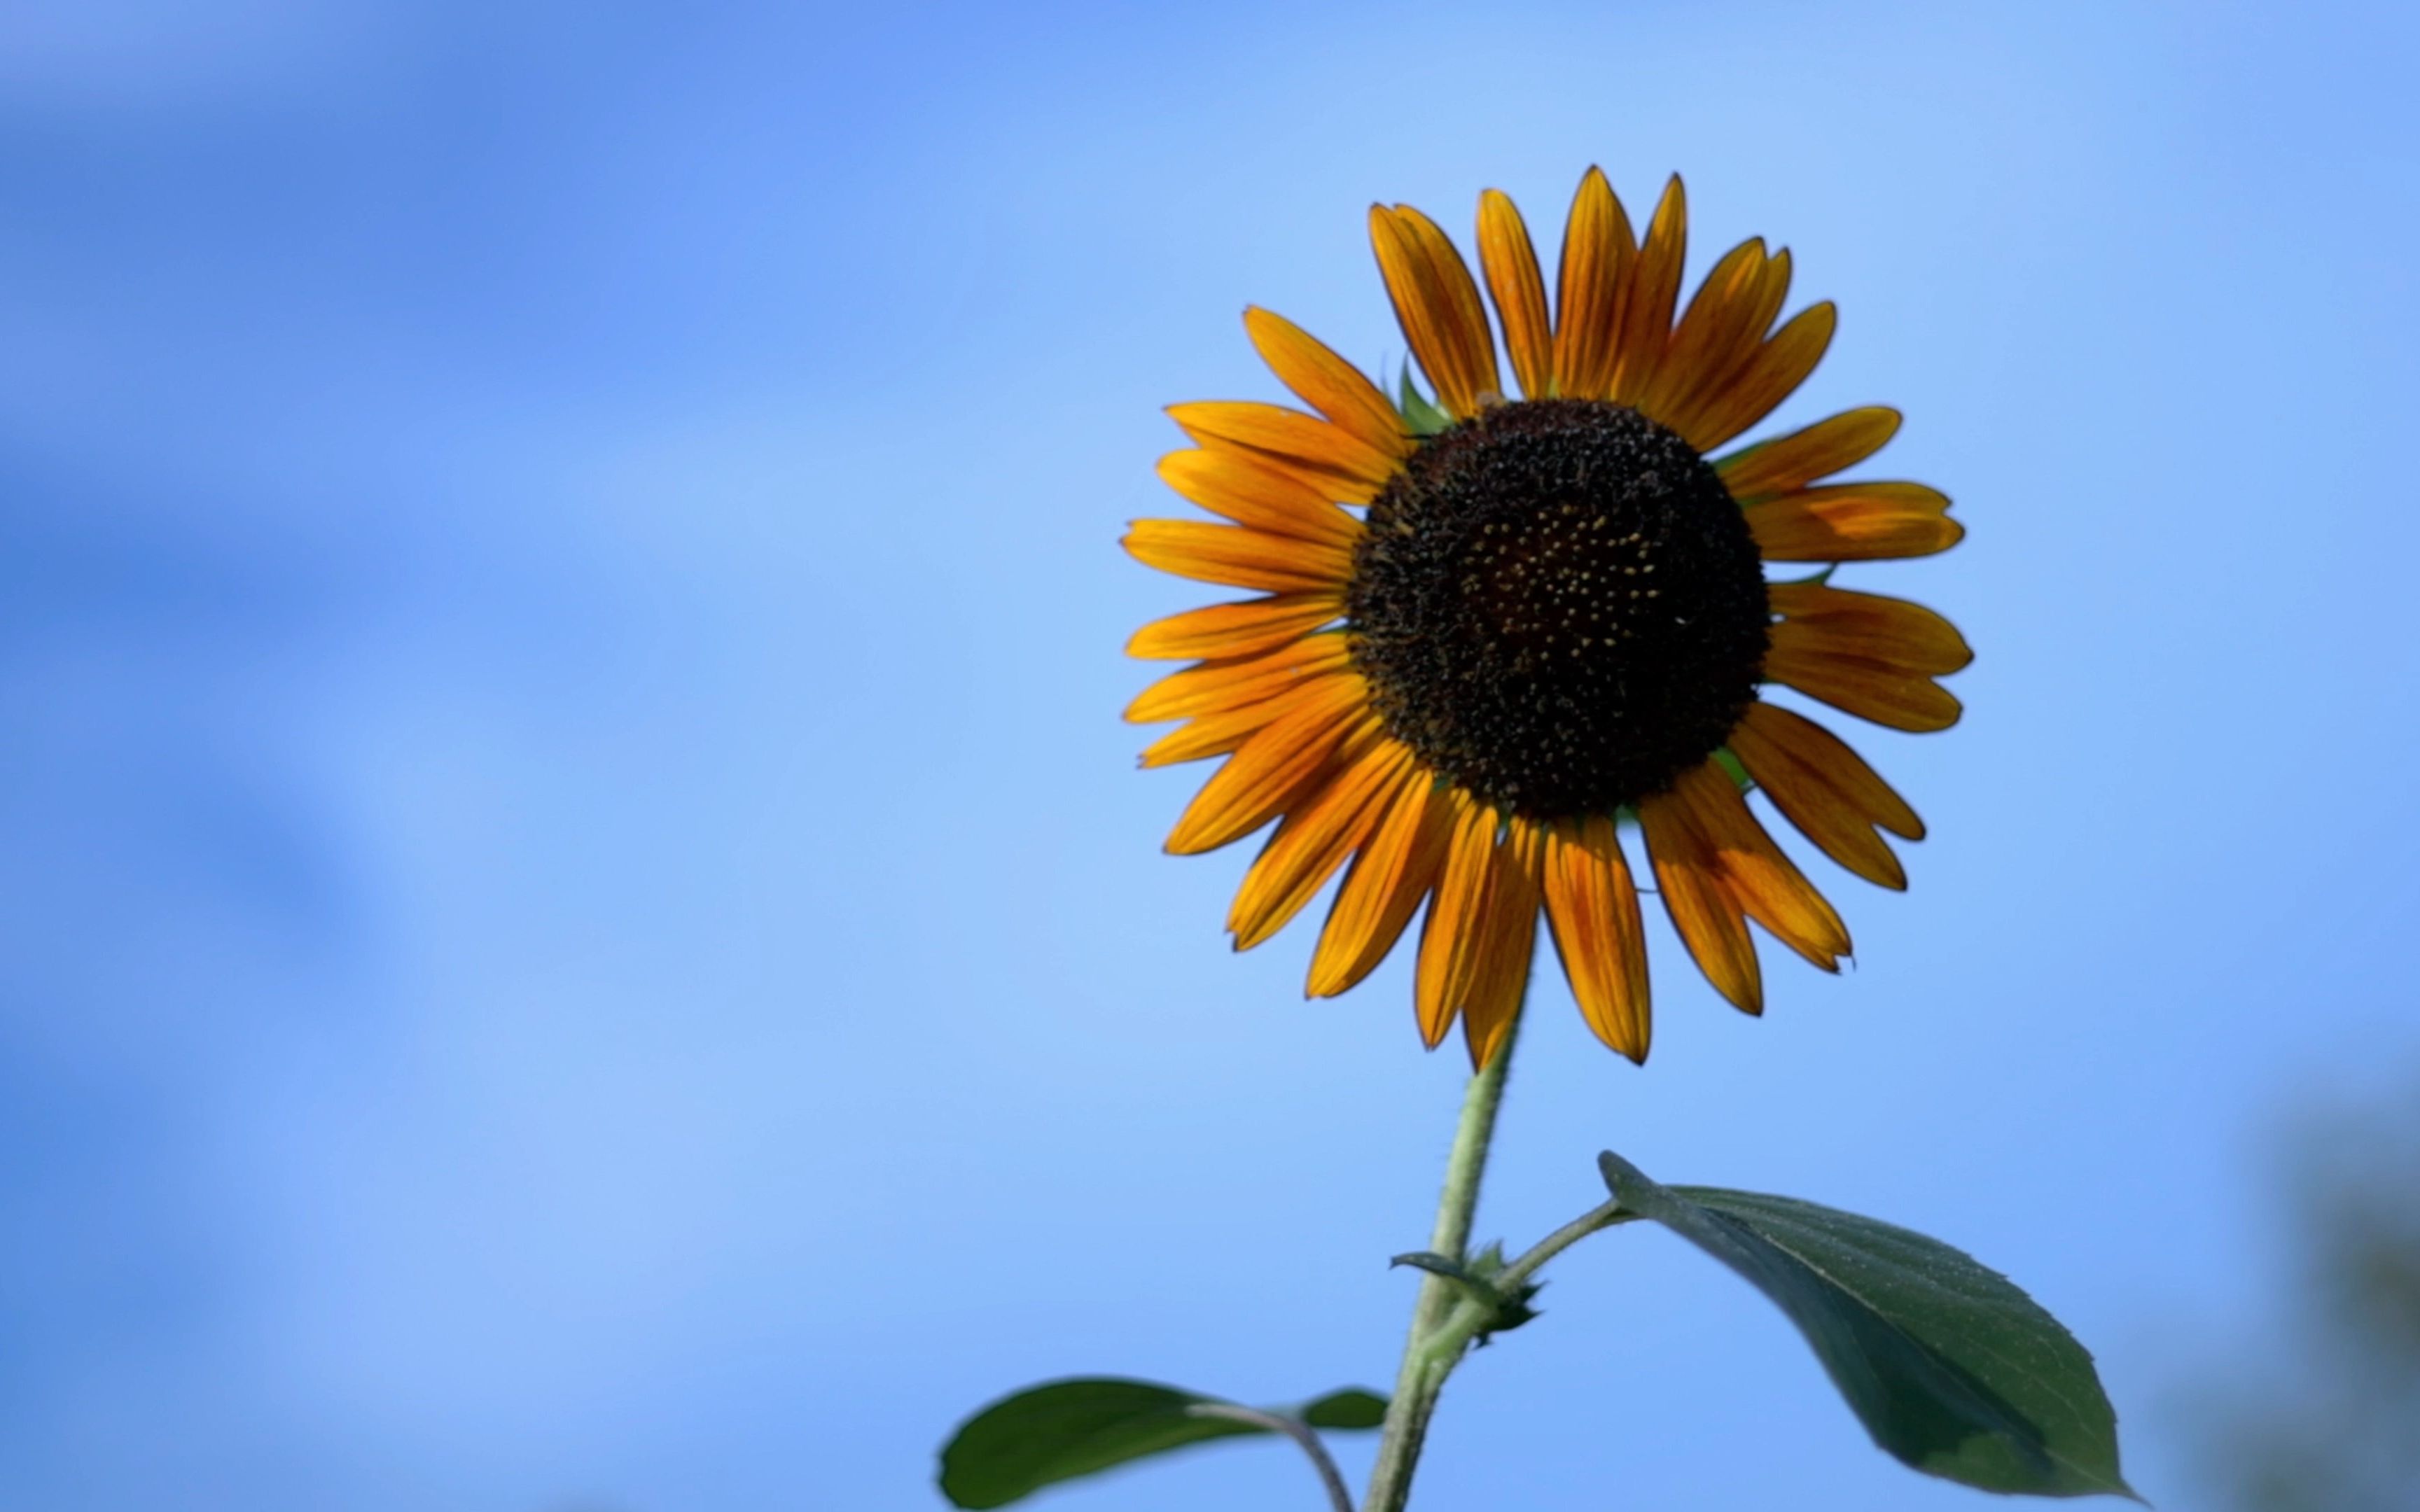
(1425,1365)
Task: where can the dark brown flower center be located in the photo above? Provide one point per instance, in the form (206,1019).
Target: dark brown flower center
(1558,606)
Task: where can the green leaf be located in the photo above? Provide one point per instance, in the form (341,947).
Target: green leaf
(1434,1263)
(1351,1408)
(1423,417)
(1950,1367)
(1062,1429)
(1478,1281)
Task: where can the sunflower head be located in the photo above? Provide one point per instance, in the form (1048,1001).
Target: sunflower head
(1558,606)
(1491,632)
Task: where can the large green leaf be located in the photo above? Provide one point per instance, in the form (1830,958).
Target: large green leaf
(1950,1367)
(1065,1429)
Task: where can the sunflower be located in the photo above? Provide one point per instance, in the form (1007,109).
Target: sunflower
(1549,621)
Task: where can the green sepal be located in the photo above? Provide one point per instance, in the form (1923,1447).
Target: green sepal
(1477,1279)
(1953,1369)
(1434,1264)
(1419,416)
(1063,1429)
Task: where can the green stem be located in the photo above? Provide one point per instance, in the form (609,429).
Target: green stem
(1426,1363)
(1596,1219)
(1340,1497)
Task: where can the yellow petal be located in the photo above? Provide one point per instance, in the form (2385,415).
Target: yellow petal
(1766,885)
(1868,689)
(1235,630)
(1237,557)
(1598,249)
(1216,735)
(1510,265)
(1262,495)
(1649,295)
(1797,459)
(1690,880)
(1348,469)
(1770,376)
(1824,789)
(1712,333)
(1234,682)
(1819,619)
(1593,907)
(1854,522)
(1510,932)
(1437,306)
(1389,877)
(1840,769)
(1313,840)
(1269,773)
(1452,939)
(1328,383)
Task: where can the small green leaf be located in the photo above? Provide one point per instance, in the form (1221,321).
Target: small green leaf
(1351,1408)
(1423,417)
(1062,1429)
(1478,1281)
(1510,1311)
(1434,1263)
(1950,1367)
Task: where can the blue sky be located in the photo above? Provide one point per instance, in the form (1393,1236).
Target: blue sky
(581,927)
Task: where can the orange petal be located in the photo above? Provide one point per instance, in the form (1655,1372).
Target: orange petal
(1237,557)
(1766,885)
(1649,295)
(1690,879)
(1347,467)
(1812,747)
(1868,689)
(1770,376)
(1327,382)
(1216,735)
(1598,249)
(1437,306)
(1511,942)
(1267,775)
(1313,840)
(1451,937)
(1821,619)
(1593,907)
(1260,493)
(1450,276)
(1510,265)
(1713,332)
(1382,891)
(1797,459)
(1854,522)
(1235,630)
(1734,355)
(1821,786)
(1772,290)
(1233,682)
